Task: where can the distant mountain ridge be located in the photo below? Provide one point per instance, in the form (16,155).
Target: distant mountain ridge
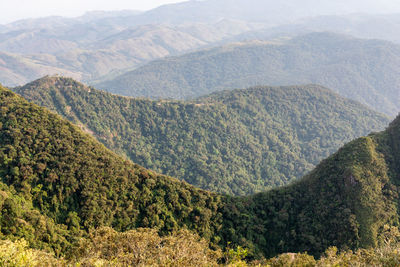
(367,71)
(273,12)
(99,46)
(94,46)
(237,142)
(369,26)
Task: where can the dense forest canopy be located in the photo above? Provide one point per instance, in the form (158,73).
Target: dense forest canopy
(59,183)
(75,181)
(237,142)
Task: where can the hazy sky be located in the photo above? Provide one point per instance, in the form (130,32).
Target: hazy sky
(11,10)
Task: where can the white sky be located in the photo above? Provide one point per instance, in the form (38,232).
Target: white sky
(11,10)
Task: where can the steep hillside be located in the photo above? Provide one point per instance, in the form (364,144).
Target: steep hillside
(364,70)
(75,181)
(349,200)
(57,183)
(237,142)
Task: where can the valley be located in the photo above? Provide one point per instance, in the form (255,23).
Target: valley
(200,133)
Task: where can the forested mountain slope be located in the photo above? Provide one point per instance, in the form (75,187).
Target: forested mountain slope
(67,178)
(364,70)
(349,200)
(237,142)
(60,182)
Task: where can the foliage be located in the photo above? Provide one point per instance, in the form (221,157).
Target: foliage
(17,254)
(237,142)
(106,247)
(144,247)
(348,201)
(235,256)
(75,181)
(19,219)
(344,202)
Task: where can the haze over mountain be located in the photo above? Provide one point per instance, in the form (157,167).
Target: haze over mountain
(364,70)
(236,142)
(98,44)
(101,45)
(273,12)
(67,199)
(253,10)
(367,26)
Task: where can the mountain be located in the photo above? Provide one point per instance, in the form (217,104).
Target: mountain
(57,183)
(18,68)
(369,26)
(74,181)
(99,45)
(273,12)
(236,142)
(367,71)
(349,200)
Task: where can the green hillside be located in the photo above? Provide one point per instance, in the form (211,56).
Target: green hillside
(345,202)
(59,183)
(237,142)
(348,201)
(75,181)
(367,71)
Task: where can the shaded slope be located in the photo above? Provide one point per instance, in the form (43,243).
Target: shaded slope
(346,201)
(364,70)
(237,142)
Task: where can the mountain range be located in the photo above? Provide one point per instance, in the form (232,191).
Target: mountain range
(271,12)
(367,71)
(58,182)
(225,133)
(368,26)
(97,45)
(236,142)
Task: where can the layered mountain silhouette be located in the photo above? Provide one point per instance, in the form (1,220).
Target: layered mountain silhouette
(363,70)
(99,45)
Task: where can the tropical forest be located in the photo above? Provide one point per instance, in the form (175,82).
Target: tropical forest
(200,133)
